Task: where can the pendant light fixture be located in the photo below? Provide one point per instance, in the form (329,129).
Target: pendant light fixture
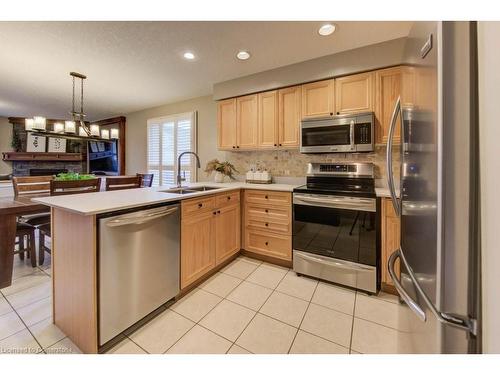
(79,117)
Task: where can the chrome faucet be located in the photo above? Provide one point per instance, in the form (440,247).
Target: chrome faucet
(179,177)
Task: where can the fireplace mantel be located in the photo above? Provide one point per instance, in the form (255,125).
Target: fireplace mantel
(41,156)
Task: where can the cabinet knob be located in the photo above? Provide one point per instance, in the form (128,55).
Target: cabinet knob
(218,211)
(267,243)
(234,146)
(338,113)
(266,197)
(215,212)
(275,145)
(280,144)
(267,210)
(228,198)
(267,224)
(200,205)
(237,146)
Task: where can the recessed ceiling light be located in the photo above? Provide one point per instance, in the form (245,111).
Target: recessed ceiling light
(188,55)
(326,29)
(243,55)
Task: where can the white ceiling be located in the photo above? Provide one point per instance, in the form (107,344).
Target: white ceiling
(136,65)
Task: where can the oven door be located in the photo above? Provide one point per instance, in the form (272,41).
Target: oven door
(327,135)
(335,238)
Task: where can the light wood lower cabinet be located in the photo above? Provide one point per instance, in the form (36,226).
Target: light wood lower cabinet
(197,246)
(390,239)
(210,233)
(227,232)
(268,223)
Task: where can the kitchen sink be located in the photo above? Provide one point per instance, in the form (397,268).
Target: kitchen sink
(189,189)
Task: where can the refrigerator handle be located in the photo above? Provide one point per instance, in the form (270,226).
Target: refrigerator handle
(404,296)
(389,174)
(455,320)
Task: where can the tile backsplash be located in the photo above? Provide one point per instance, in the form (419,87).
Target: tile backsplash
(291,163)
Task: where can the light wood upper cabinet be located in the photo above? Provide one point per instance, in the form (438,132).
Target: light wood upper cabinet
(390,238)
(355,93)
(247,122)
(388,88)
(197,247)
(268,119)
(227,232)
(318,98)
(226,124)
(289,116)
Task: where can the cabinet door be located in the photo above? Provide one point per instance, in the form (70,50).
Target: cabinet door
(197,247)
(388,88)
(317,98)
(247,122)
(289,116)
(390,238)
(226,124)
(354,93)
(268,119)
(227,232)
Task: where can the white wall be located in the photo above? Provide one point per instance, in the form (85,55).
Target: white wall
(489,99)
(5,141)
(136,129)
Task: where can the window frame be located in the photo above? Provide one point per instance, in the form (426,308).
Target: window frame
(175,118)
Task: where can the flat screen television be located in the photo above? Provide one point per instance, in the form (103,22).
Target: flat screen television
(102,158)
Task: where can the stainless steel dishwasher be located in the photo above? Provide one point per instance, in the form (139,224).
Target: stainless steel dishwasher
(139,261)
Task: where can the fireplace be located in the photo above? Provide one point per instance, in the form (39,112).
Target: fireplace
(47,171)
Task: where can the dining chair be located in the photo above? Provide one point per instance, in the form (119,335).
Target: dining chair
(123,182)
(146,178)
(26,224)
(64,188)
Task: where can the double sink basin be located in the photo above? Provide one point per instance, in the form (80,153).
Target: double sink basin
(189,189)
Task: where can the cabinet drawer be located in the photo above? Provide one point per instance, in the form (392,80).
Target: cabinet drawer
(267,225)
(275,214)
(271,244)
(268,197)
(226,199)
(197,205)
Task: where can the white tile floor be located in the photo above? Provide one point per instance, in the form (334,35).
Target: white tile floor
(248,307)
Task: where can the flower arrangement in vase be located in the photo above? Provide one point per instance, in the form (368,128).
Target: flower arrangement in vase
(221,169)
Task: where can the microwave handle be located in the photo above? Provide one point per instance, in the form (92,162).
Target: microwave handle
(352,134)
(389,173)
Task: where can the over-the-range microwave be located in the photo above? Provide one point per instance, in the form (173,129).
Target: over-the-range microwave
(342,133)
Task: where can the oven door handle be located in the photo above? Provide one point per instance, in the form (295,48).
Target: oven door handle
(347,266)
(363,205)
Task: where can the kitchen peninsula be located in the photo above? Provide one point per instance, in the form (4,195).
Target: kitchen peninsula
(212,214)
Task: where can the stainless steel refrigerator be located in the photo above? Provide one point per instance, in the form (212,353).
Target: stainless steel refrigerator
(439,255)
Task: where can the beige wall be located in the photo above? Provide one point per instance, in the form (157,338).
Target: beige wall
(207,132)
(489,97)
(5,141)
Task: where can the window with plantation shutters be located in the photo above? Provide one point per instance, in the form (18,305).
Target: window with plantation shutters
(168,137)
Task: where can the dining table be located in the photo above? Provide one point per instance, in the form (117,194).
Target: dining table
(11,208)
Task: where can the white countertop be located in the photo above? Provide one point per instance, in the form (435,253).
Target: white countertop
(109,201)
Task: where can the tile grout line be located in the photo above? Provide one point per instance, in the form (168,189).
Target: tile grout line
(303,317)
(24,323)
(352,324)
(258,311)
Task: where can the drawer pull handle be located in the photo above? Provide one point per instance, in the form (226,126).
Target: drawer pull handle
(267,243)
(228,198)
(267,210)
(200,205)
(266,197)
(267,224)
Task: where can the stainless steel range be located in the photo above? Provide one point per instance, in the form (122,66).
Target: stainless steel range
(336,225)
